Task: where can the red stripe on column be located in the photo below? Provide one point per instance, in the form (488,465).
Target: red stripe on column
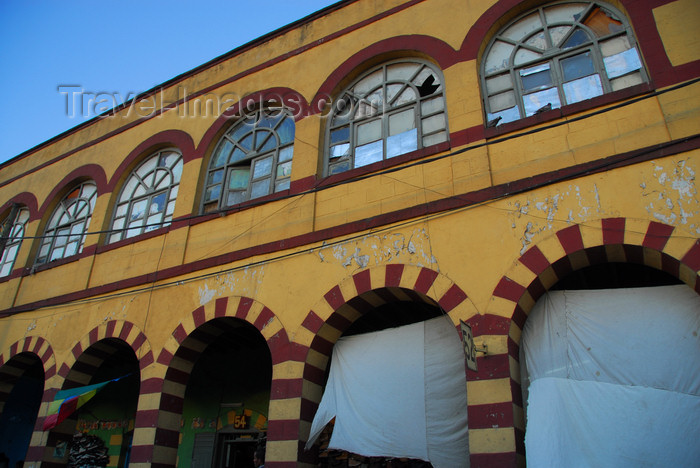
(491,415)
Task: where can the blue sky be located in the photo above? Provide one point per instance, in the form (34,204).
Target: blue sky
(121,47)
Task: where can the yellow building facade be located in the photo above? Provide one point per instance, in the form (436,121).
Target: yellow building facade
(209,242)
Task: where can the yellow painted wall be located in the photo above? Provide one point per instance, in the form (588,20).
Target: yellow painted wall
(473,246)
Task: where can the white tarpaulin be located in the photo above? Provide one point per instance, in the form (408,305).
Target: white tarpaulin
(613,378)
(399,393)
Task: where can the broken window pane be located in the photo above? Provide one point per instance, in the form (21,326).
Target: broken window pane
(577,66)
(582,89)
(339,151)
(622,63)
(536,77)
(602,23)
(368,154)
(402,143)
(237,155)
(563,13)
(541,100)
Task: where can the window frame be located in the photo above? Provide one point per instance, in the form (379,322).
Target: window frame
(52,239)
(554,56)
(13,243)
(384,115)
(120,227)
(218,193)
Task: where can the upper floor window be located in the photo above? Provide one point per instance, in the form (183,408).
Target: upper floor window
(12,229)
(391,110)
(66,231)
(147,199)
(252,159)
(555,55)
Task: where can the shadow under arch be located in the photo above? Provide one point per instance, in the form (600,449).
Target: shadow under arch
(544,264)
(345,304)
(177,360)
(112,350)
(33,355)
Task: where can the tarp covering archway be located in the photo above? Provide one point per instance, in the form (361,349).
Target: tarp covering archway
(613,378)
(399,393)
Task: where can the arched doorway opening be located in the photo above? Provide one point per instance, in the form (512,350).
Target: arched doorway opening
(225,409)
(608,361)
(380,387)
(22,384)
(104,384)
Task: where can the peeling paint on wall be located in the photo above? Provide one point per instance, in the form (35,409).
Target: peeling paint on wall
(672,194)
(240,283)
(541,214)
(381,249)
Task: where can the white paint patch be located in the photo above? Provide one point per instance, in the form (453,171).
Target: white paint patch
(381,249)
(676,201)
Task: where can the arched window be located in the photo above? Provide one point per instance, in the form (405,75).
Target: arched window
(555,55)
(65,232)
(252,159)
(147,199)
(391,110)
(12,232)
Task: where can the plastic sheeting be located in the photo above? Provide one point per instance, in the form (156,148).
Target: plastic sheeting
(399,393)
(613,378)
